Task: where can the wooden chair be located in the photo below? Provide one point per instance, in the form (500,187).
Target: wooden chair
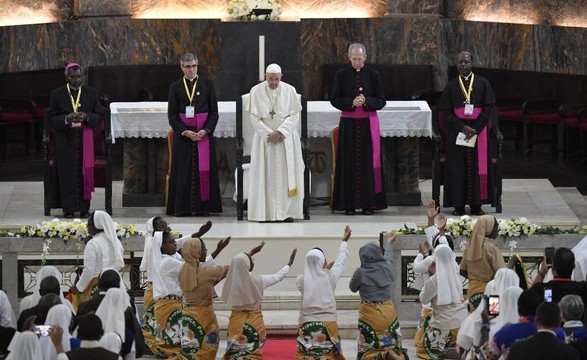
(334,146)
(543,112)
(102,162)
(244,139)
(509,110)
(439,126)
(19,113)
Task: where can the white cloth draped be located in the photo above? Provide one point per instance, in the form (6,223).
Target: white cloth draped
(580,251)
(111,341)
(57,315)
(111,311)
(7,318)
(145,261)
(24,346)
(240,287)
(508,310)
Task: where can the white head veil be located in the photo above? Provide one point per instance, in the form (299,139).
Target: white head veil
(504,278)
(508,309)
(317,289)
(7,318)
(145,261)
(33,299)
(111,311)
(159,286)
(24,346)
(240,288)
(111,341)
(447,276)
(57,315)
(580,251)
(103,221)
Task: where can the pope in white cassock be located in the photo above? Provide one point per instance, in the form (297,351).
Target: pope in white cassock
(276,186)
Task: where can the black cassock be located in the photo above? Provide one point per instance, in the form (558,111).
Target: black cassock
(461,174)
(353,178)
(184,183)
(67,183)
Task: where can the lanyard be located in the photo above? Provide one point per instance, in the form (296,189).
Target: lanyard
(75,103)
(467,93)
(190,96)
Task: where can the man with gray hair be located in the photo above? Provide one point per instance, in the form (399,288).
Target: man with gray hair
(193,114)
(572,309)
(358,177)
(276,189)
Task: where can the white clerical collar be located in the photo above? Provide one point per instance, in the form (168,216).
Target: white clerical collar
(192,79)
(467,77)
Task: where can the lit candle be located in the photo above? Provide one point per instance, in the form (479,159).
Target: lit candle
(261,57)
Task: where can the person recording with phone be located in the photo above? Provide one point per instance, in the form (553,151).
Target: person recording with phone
(563,263)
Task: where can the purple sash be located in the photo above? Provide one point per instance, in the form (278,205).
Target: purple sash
(203,152)
(87,160)
(482,148)
(360,113)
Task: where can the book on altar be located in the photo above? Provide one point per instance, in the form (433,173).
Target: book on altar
(462,140)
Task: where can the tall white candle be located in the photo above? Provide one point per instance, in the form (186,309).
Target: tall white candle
(261,57)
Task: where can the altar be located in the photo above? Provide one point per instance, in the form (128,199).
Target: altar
(143,127)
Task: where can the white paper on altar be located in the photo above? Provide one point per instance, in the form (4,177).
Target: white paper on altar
(149,119)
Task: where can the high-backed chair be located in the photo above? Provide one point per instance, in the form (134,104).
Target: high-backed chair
(509,110)
(18,113)
(543,112)
(244,140)
(439,128)
(102,162)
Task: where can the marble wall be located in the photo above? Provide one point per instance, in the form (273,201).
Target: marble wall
(229,50)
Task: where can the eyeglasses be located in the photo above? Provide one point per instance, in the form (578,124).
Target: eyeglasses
(190,66)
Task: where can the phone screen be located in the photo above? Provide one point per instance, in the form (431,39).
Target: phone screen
(547,295)
(43,330)
(493,305)
(549,254)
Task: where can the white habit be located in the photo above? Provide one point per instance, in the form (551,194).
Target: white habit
(276,186)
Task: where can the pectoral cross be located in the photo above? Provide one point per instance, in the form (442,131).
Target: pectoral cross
(272,113)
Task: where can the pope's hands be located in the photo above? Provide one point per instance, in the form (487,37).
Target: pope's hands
(275,137)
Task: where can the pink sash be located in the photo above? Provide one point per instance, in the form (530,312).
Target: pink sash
(482,148)
(87,160)
(203,152)
(360,113)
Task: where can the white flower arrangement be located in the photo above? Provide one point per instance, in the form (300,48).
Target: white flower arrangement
(514,227)
(65,230)
(243,9)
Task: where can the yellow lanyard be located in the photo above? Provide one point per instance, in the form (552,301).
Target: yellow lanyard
(467,93)
(190,96)
(75,104)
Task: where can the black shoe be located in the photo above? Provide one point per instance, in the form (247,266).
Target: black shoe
(350,212)
(203,214)
(367,212)
(477,211)
(84,215)
(68,215)
(288,220)
(460,211)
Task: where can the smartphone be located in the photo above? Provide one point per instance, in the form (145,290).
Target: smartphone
(547,294)
(42,330)
(549,254)
(493,305)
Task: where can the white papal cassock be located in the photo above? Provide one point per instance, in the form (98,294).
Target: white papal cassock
(276,176)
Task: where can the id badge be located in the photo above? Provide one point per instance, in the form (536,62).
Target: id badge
(189,111)
(469,109)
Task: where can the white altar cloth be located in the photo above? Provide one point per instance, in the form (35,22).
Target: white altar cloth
(149,119)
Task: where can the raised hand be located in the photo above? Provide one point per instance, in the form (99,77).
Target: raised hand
(431,209)
(391,237)
(220,246)
(441,221)
(347,233)
(203,229)
(292,256)
(257,248)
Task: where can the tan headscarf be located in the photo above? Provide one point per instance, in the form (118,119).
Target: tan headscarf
(483,228)
(188,275)
(240,287)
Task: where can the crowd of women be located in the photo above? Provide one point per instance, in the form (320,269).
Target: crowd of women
(179,321)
